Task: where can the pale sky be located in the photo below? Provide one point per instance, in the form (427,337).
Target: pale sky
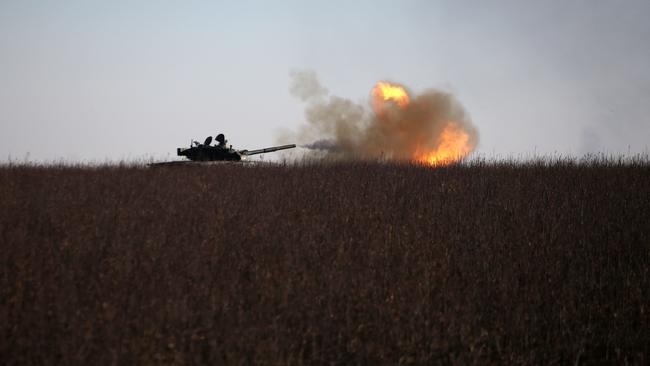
(108,80)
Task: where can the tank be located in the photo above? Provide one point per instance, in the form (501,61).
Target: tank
(220,151)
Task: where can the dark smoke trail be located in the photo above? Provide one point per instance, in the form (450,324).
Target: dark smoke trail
(326,145)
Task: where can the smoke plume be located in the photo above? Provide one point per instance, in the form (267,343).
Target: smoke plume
(431,127)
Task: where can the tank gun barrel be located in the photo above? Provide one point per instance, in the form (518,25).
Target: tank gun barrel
(268,149)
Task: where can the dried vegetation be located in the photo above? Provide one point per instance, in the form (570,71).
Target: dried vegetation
(349,263)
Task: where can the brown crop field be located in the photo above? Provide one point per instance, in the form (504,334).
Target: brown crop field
(546,262)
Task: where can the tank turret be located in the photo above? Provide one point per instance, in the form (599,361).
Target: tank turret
(221,152)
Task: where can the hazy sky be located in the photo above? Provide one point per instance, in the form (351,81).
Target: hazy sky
(93,80)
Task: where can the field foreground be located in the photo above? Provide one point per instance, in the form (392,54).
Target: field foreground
(354,263)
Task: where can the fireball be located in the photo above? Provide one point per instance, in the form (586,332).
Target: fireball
(385,94)
(451,145)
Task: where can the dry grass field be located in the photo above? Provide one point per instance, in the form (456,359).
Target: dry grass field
(546,262)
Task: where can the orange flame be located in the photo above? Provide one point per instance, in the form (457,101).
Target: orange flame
(452,145)
(385,92)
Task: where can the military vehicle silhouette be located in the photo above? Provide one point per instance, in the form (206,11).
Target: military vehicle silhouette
(220,151)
